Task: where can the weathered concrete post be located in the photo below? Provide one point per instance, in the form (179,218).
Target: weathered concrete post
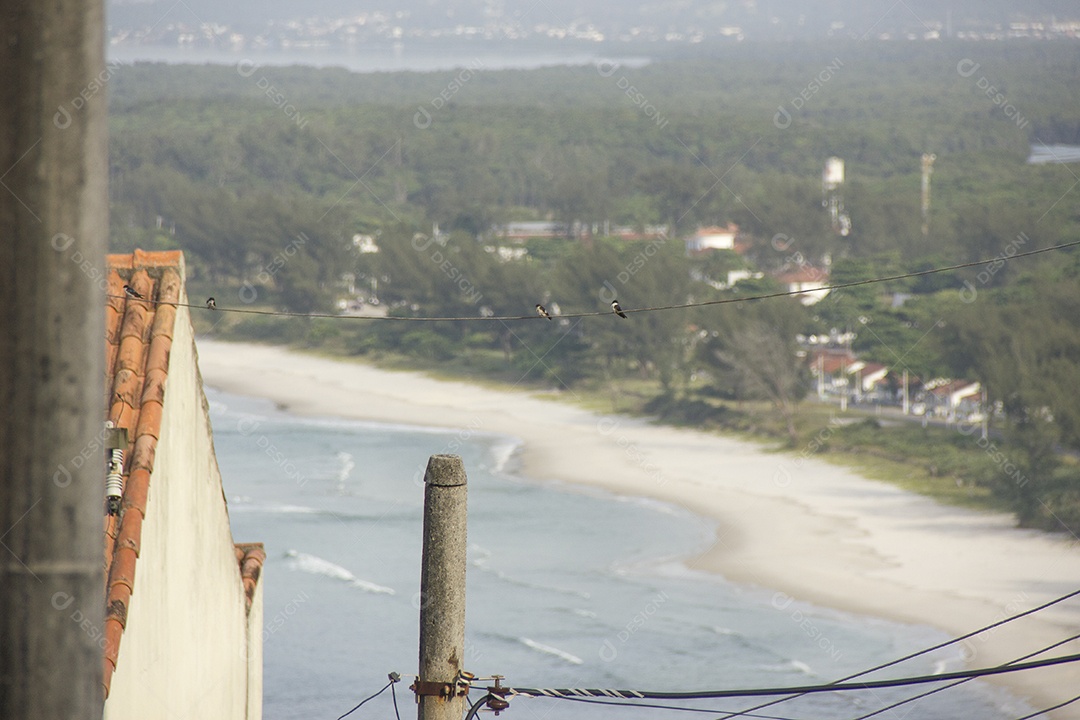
(442,590)
(53,232)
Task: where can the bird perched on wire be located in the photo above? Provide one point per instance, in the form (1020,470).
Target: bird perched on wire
(211,304)
(617,309)
(132,293)
(542,311)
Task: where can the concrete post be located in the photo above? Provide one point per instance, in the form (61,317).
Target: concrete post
(53,233)
(442,587)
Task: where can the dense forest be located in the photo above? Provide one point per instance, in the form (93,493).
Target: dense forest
(264,176)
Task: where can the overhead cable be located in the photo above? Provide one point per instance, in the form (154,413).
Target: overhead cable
(208,307)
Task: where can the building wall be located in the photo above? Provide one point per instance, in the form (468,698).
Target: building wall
(187,650)
(255,655)
(719,241)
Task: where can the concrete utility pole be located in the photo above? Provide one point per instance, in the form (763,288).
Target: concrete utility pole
(53,232)
(442,591)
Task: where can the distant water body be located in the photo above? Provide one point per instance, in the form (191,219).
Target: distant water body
(567,586)
(396,58)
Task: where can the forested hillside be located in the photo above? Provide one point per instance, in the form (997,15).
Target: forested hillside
(264,176)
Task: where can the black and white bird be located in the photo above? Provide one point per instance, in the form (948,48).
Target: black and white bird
(617,309)
(132,293)
(541,311)
(211,304)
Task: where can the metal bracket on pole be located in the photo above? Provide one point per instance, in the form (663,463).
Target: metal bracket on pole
(439,689)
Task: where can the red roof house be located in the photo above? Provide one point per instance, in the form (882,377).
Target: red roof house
(183,627)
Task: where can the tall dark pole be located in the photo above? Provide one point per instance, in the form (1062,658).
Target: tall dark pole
(442,590)
(53,232)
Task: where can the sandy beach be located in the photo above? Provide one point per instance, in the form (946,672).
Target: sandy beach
(788,522)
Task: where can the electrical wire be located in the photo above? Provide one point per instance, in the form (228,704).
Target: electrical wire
(628,311)
(939,646)
(1049,709)
(475,708)
(656,706)
(393,696)
(842,684)
(920,696)
(394,677)
(565,693)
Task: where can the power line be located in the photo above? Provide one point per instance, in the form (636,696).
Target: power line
(628,311)
(655,706)
(394,677)
(566,693)
(475,708)
(961,682)
(1049,709)
(939,646)
(393,696)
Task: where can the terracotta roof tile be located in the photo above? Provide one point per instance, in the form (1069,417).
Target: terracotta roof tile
(141,456)
(251,557)
(154,387)
(137,491)
(111,530)
(106,679)
(130,535)
(113,629)
(149,425)
(122,570)
(116,605)
(138,336)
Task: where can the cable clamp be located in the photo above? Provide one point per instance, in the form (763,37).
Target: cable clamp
(458,688)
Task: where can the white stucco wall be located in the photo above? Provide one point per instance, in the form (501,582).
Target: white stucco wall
(186,650)
(255,652)
(711,241)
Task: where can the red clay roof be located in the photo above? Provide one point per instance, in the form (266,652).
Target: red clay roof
(830,360)
(251,557)
(954,386)
(138,341)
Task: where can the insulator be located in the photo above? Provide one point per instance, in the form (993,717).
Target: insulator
(114,482)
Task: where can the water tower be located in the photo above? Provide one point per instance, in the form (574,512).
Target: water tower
(832,181)
(927,171)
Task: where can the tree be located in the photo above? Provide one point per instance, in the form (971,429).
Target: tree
(1030,370)
(758,355)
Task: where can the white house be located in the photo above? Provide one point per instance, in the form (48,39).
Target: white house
(713,238)
(949,398)
(811,283)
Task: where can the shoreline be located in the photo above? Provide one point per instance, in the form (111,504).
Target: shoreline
(803,528)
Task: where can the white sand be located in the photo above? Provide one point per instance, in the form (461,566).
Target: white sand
(799,526)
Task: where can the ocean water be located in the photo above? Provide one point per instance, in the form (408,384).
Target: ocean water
(567,586)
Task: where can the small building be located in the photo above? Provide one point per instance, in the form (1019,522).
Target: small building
(184,603)
(868,377)
(829,366)
(952,398)
(365,244)
(646,233)
(528,230)
(810,282)
(713,238)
